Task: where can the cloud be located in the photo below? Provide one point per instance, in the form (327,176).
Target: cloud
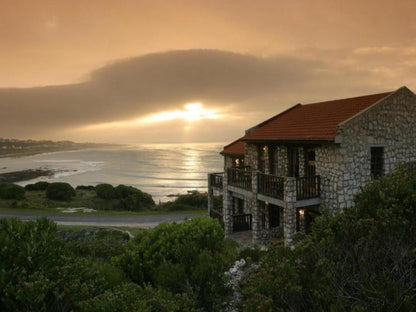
(243,85)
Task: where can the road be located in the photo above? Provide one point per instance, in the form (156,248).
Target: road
(149,221)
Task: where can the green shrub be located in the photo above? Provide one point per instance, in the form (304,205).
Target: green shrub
(131,198)
(190,257)
(38,274)
(85,187)
(38,186)
(130,297)
(174,206)
(60,191)
(193,199)
(105,191)
(96,243)
(11,191)
(251,254)
(363,259)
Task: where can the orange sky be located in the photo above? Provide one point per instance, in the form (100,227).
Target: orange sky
(262,57)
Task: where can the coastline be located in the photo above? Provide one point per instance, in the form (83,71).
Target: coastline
(25,152)
(164,171)
(24,175)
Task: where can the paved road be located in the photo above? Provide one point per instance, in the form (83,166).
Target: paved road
(131,221)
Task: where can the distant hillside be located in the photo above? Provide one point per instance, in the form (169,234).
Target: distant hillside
(15,147)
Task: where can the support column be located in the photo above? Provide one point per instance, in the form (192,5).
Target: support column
(289,211)
(210,196)
(227,207)
(255,210)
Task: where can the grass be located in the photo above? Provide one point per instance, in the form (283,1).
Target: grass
(35,202)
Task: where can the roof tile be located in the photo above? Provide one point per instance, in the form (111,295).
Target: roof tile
(312,121)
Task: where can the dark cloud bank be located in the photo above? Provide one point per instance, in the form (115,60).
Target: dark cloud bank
(137,86)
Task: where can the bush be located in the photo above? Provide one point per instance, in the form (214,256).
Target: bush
(38,273)
(131,198)
(60,191)
(38,186)
(361,260)
(130,297)
(85,187)
(11,191)
(96,243)
(193,199)
(105,191)
(190,257)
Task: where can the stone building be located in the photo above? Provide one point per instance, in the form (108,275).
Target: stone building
(280,175)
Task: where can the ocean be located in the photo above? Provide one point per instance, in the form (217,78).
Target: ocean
(161,170)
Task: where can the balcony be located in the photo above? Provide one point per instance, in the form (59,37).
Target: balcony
(271,185)
(242,222)
(240,178)
(308,187)
(216,179)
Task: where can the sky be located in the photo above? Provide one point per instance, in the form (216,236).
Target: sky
(135,71)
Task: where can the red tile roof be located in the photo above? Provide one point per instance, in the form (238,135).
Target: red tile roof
(312,121)
(234,148)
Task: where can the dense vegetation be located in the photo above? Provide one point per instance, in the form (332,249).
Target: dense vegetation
(11,191)
(45,195)
(191,201)
(60,191)
(361,260)
(175,267)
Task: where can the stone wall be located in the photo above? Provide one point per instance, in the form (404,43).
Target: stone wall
(327,166)
(251,156)
(228,162)
(390,124)
(282,161)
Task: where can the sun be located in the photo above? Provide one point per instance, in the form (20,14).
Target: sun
(194,111)
(191,112)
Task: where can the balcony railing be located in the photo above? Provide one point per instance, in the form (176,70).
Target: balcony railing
(242,222)
(271,185)
(240,178)
(216,179)
(308,187)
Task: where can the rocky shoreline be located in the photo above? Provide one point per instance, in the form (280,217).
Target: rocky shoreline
(24,175)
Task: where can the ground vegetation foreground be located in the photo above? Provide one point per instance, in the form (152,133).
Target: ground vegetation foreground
(361,260)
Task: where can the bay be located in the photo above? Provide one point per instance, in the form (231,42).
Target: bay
(158,169)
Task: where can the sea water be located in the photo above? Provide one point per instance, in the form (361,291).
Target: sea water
(161,170)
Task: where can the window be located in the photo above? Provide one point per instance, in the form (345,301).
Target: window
(239,162)
(310,162)
(273,159)
(262,152)
(293,161)
(377,161)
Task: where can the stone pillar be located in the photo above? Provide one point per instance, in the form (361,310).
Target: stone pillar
(210,195)
(255,209)
(227,212)
(289,210)
(257,230)
(227,208)
(301,153)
